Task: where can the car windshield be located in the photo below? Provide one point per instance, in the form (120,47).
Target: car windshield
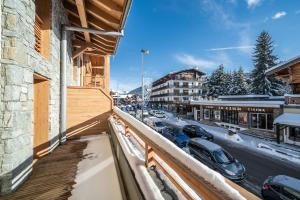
(222,157)
(199,129)
(177,131)
(159,124)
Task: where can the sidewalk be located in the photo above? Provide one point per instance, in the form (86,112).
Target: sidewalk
(270,147)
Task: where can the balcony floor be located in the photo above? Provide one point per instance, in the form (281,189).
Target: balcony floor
(81,169)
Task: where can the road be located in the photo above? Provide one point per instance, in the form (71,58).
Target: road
(258,166)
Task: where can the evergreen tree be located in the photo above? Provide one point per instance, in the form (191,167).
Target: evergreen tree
(239,84)
(216,82)
(227,83)
(263,59)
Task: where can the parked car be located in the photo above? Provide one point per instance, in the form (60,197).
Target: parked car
(159,114)
(155,124)
(152,112)
(194,131)
(281,187)
(216,158)
(176,135)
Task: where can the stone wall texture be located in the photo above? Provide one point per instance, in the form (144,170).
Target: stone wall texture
(19,61)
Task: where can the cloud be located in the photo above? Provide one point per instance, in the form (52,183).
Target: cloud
(192,61)
(231,48)
(279,15)
(121,86)
(210,63)
(253,3)
(219,14)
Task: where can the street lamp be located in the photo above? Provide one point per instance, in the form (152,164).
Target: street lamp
(143,52)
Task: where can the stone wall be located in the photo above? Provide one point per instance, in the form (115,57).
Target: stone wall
(19,61)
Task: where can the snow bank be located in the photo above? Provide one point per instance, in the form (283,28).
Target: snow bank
(197,167)
(282,154)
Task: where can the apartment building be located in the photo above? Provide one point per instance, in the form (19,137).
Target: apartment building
(174,90)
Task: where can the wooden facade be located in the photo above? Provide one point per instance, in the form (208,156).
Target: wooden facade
(87,111)
(41,113)
(288,71)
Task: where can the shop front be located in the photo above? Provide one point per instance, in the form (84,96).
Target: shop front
(247,117)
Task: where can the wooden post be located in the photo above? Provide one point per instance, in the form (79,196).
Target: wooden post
(149,154)
(106,73)
(127,131)
(146,154)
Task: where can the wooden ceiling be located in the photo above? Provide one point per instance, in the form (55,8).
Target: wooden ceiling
(107,15)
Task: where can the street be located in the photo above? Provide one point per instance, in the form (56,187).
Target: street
(258,166)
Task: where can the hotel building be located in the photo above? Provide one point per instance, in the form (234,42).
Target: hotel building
(175,90)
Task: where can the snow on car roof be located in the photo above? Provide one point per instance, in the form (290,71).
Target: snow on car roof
(207,144)
(287,181)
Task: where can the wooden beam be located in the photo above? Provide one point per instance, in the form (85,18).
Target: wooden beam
(98,67)
(83,19)
(95,53)
(81,50)
(109,6)
(74,18)
(103,16)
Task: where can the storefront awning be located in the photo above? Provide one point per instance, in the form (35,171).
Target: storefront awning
(291,119)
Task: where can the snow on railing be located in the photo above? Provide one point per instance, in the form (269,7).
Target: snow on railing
(146,183)
(200,179)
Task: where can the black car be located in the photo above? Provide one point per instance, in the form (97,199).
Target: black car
(175,135)
(194,131)
(216,158)
(281,187)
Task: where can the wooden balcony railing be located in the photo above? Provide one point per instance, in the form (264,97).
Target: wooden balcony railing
(192,178)
(93,81)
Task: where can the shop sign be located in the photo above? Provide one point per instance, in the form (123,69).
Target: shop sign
(256,110)
(236,108)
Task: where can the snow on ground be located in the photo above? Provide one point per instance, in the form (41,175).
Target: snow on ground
(253,143)
(216,131)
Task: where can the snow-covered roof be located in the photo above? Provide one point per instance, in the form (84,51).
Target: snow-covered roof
(292,119)
(243,96)
(283,65)
(292,95)
(260,104)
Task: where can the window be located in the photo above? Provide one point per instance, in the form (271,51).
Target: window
(229,116)
(294,133)
(206,114)
(262,120)
(217,114)
(290,193)
(275,188)
(222,157)
(243,118)
(42,27)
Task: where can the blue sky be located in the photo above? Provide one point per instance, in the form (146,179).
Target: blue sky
(202,33)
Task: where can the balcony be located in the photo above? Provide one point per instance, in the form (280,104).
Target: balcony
(118,164)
